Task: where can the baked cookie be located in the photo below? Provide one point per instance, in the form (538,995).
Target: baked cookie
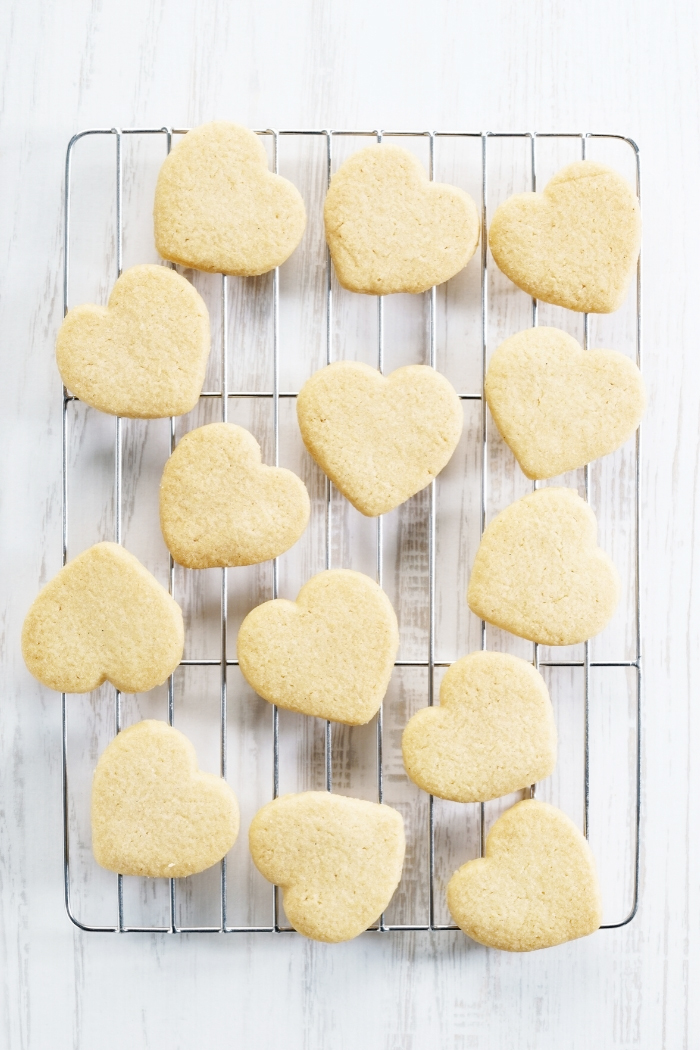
(557,406)
(493,732)
(337,859)
(576,244)
(144,354)
(535,887)
(218,207)
(380,439)
(539,574)
(220,505)
(329,654)
(153,812)
(391,230)
(103,617)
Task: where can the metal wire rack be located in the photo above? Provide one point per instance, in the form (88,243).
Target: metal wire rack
(224,394)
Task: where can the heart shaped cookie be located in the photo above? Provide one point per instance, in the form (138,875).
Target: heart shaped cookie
(218,207)
(380,439)
(153,812)
(539,574)
(576,244)
(220,505)
(535,887)
(143,355)
(329,654)
(557,406)
(337,859)
(103,617)
(391,230)
(493,732)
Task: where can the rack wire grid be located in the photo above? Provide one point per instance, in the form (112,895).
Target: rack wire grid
(455,830)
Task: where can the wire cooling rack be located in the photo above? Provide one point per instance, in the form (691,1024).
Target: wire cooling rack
(429,665)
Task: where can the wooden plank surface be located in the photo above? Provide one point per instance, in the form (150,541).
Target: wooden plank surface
(624,68)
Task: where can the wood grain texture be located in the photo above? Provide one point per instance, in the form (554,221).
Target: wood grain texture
(504,66)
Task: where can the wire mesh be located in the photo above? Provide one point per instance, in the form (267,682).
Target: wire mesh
(429,663)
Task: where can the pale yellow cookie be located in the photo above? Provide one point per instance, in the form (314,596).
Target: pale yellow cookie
(575,244)
(103,617)
(337,859)
(557,406)
(153,812)
(539,574)
(535,887)
(329,654)
(380,439)
(391,230)
(220,505)
(218,207)
(493,732)
(144,354)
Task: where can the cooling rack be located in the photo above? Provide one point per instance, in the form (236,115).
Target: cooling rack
(582,662)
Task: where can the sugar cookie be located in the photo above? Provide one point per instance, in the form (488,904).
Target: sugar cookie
(380,439)
(220,505)
(492,734)
(218,207)
(535,887)
(391,230)
(329,654)
(337,859)
(144,354)
(153,812)
(557,406)
(103,617)
(539,574)
(574,245)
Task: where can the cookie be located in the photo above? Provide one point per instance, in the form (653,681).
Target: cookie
(539,574)
(337,859)
(218,208)
(492,734)
(153,812)
(557,406)
(103,617)
(574,245)
(220,505)
(391,230)
(535,887)
(144,354)
(329,654)
(380,439)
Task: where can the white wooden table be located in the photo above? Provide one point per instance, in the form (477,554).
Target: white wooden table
(598,67)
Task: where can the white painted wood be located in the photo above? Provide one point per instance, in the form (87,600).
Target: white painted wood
(505,66)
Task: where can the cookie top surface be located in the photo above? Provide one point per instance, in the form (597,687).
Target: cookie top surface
(535,887)
(220,505)
(103,618)
(143,355)
(492,734)
(391,230)
(558,406)
(329,654)
(337,859)
(574,245)
(218,207)
(153,812)
(380,439)
(539,574)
